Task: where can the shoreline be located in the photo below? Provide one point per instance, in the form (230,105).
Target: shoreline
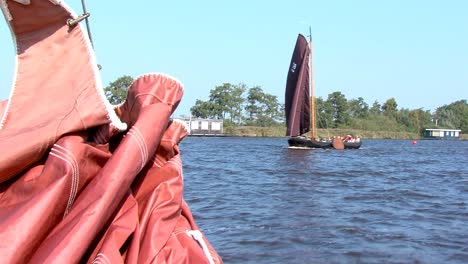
(245,131)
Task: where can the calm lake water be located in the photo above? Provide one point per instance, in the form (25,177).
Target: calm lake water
(389,202)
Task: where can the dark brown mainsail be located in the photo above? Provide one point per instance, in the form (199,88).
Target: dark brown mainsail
(297,102)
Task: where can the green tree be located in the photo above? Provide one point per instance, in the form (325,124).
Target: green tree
(263,109)
(419,119)
(203,109)
(225,101)
(270,111)
(324,113)
(339,103)
(403,117)
(253,107)
(376,108)
(116,91)
(389,108)
(228,100)
(454,115)
(236,103)
(272,106)
(412,120)
(358,108)
(219,96)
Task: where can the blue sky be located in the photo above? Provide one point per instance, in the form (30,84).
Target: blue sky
(414,51)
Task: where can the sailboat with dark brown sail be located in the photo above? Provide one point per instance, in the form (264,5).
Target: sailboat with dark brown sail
(300,103)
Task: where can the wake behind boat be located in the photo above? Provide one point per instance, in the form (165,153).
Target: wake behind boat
(300,104)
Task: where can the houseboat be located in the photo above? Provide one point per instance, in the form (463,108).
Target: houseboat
(203,127)
(442,133)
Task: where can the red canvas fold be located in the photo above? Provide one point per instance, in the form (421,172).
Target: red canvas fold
(82,180)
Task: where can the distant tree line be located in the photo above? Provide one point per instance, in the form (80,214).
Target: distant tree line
(240,105)
(338,112)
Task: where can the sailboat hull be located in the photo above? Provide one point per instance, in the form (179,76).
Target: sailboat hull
(303,142)
(352,145)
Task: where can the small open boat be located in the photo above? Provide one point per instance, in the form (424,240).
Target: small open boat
(300,104)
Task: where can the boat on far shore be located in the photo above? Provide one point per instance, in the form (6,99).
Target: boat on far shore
(300,104)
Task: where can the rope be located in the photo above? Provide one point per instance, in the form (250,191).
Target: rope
(87,22)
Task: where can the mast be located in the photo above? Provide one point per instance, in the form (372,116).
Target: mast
(311,89)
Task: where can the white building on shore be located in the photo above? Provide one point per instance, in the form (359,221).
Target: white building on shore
(203,126)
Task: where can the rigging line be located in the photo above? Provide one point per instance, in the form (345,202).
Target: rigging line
(87,22)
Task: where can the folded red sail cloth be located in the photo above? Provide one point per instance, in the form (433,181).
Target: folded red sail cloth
(80,180)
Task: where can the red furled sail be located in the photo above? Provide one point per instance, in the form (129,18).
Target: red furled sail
(82,181)
(297,96)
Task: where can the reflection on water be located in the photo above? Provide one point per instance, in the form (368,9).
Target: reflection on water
(390,201)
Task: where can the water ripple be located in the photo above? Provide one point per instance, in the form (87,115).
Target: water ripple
(390,202)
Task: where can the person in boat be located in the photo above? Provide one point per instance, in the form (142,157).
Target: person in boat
(348,138)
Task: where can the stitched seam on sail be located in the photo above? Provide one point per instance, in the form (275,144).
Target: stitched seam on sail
(74,183)
(141,144)
(158,163)
(145,147)
(75,176)
(75,179)
(100,258)
(70,160)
